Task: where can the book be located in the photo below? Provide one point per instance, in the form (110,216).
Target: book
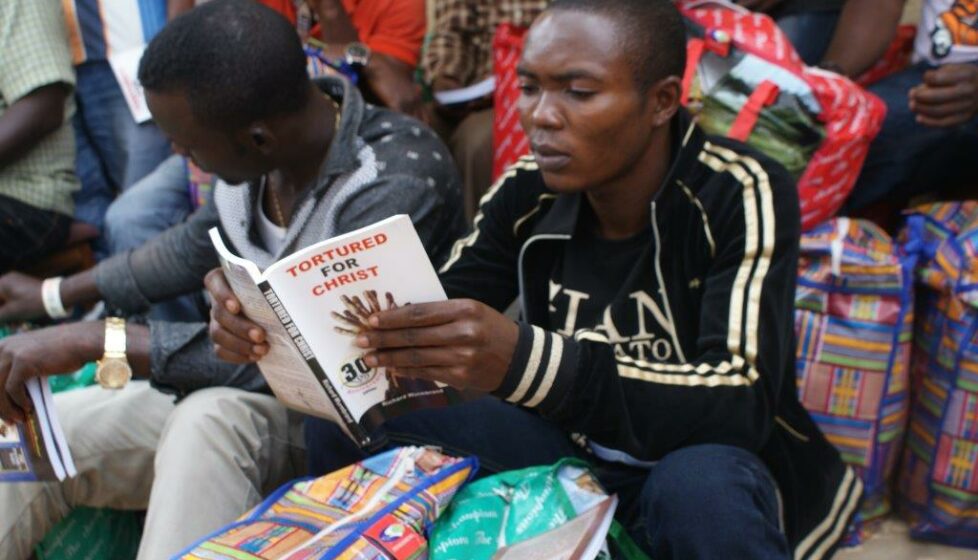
(125,66)
(35,450)
(466,94)
(581,538)
(314,302)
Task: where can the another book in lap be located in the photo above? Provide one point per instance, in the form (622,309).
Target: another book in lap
(314,302)
(35,450)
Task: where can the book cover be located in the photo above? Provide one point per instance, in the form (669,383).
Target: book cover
(35,450)
(314,302)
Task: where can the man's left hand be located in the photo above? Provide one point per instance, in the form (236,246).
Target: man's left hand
(462,343)
(50,351)
(948,96)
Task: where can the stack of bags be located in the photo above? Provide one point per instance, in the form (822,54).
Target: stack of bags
(888,363)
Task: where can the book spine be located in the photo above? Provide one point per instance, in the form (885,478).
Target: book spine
(305,351)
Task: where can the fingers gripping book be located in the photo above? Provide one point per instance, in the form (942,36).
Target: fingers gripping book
(314,302)
(35,450)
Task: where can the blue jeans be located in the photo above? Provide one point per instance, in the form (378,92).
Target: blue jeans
(906,157)
(810,33)
(154,204)
(113,152)
(697,502)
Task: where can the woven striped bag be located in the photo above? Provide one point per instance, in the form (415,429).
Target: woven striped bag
(379,508)
(938,485)
(853,318)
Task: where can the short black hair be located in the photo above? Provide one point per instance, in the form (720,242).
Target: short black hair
(652,33)
(237,61)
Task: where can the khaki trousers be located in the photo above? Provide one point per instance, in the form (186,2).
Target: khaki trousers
(194,466)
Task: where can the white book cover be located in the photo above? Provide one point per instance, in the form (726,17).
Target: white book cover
(466,94)
(125,66)
(35,450)
(313,303)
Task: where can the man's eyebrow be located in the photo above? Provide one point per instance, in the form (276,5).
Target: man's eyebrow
(561,77)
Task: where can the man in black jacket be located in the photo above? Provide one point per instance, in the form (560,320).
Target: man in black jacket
(655,269)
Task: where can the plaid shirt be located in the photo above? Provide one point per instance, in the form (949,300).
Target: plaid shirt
(460,46)
(34,53)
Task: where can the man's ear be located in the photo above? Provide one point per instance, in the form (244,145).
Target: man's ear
(664,97)
(259,138)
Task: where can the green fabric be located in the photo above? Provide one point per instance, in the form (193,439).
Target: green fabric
(624,547)
(515,506)
(81,378)
(93,534)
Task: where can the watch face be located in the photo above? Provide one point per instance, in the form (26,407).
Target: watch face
(114,374)
(357,53)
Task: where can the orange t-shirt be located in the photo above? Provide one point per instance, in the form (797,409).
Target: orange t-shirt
(392,27)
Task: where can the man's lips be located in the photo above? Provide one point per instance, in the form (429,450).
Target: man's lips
(549,158)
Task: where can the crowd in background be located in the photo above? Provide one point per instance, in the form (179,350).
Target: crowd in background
(70,145)
(76,164)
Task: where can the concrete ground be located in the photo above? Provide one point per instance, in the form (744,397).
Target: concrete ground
(892,542)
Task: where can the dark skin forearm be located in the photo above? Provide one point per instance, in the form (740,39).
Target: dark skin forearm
(80,289)
(86,340)
(55,351)
(865,30)
(137,349)
(335,25)
(29,120)
(177,7)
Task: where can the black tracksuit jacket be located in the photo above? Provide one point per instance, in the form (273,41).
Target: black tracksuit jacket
(721,272)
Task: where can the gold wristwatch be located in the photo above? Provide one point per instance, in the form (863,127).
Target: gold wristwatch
(113,371)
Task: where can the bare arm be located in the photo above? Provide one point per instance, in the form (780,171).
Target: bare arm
(335,24)
(30,119)
(177,7)
(865,30)
(59,350)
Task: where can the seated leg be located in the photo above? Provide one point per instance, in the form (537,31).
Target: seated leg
(502,436)
(711,501)
(158,202)
(222,450)
(112,436)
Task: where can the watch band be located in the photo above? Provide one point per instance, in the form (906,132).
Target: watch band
(51,297)
(115,337)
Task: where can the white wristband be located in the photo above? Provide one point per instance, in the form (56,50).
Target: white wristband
(51,296)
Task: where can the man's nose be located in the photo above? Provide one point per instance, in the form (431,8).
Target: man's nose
(545,113)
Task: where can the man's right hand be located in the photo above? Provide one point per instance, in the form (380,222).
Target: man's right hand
(20,298)
(236,338)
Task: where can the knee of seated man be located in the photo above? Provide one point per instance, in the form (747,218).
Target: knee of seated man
(217,414)
(706,484)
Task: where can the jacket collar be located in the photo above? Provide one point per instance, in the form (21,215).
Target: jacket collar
(342,155)
(687,141)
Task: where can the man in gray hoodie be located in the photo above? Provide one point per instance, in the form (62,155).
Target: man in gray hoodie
(299,162)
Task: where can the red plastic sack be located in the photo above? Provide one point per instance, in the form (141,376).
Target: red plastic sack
(848,117)
(508,140)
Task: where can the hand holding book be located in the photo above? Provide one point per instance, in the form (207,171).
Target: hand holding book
(298,319)
(237,339)
(462,343)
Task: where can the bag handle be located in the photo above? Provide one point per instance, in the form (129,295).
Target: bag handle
(837,245)
(765,94)
(716,41)
(722,4)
